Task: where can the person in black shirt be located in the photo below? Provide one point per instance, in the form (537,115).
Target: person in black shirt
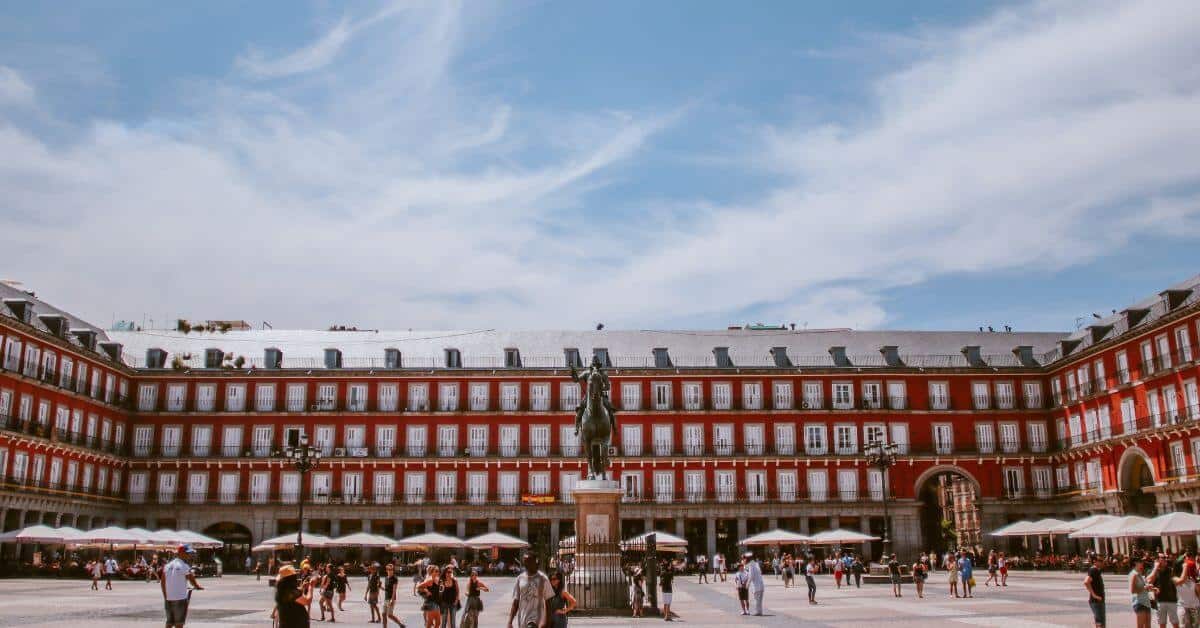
(341,584)
(371,595)
(1094,583)
(291,602)
(1166,597)
(390,582)
(666,581)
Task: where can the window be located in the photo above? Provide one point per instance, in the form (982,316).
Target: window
(264,397)
(872,397)
(323,439)
(874,434)
(1072,391)
(943,438)
(1122,367)
(1037,437)
(1010,438)
(723,439)
(1056,391)
(510,439)
(539,397)
(785,439)
(447,486)
(388,397)
(262,441)
(566,486)
(201,440)
(847,484)
(631,396)
(539,440)
(980,395)
(756,486)
(1033,394)
(477,440)
(1184,344)
(569,396)
(1041,481)
(1178,459)
(447,440)
(1101,379)
(143,436)
(1171,404)
(137,487)
(1076,430)
(67,372)
(693,398)
(166,487)
(448,397)
(414,487)
(662,440)
(176,397)
(356,397)
(631,440)
(289,487)
(875,485)
(813,396)
(693,486)
(510,397)
(1147,358)
(1154,408)
(508,488)
(726,485)
(568,441)
(1164,351)
(785,480)
(814,440)
(385,440)
(418,397)
(722,396)
(782,395)
(939,396)
(356,440)
(477,487)
(479,397)
(752,396)
(1005,399)
(843,396)
(385,487)
(662,395)
(753,439)
(664,486)
(900,437)
(235,397)
(231,441)
(1128,416)
(897,395)
(631,484)
(818,485)
(1014,481)
(1191,398)
(693,440)
(845,439)
(147,397)
(985,438)
(296,397)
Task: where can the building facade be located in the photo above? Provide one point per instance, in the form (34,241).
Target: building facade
(721,433)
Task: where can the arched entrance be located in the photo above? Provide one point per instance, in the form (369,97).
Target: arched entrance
(236,538)
(1134,474)
(948,496)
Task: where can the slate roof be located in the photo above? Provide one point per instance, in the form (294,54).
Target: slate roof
(42,308)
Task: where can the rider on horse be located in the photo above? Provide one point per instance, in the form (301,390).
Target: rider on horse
(597,369)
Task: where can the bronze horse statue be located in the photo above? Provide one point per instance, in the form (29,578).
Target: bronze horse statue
(595,423)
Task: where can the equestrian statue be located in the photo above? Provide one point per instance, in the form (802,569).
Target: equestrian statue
(595,419)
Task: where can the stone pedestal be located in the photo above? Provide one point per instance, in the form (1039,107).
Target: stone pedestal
(597,581)
(597,511)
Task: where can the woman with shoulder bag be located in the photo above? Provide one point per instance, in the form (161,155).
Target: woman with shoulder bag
(449,601)
(430,590)
(474,601)
(562,603)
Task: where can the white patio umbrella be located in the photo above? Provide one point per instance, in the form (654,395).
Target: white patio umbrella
(1171,524)
(1079,524)
(1018,528)
(199,541)
(285,541)
(39,534)
(1117,528)
(426,542)
(663,541)
(361,539)
(776,537)
(496,539)
(111,535)
(839,537)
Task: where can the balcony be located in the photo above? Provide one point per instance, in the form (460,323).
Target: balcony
(663,448)
(447,450)
(570,451)
(509,450)
(415,450)
(897,402)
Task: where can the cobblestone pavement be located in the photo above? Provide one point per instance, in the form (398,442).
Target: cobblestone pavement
(1031,601)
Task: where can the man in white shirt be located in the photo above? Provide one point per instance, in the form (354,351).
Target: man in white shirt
(757,586)
(110,568)
(531,596)
(176,575)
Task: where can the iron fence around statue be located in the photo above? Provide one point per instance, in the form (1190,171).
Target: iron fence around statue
(601,575)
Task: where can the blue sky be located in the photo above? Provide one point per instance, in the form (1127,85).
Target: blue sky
(914,165)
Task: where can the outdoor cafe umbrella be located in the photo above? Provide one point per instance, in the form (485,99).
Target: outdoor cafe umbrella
(426,542)
(111,535)
(1116,528)
(841,537)
(1171,524)
(495,539)
(1080,524)
(361,539)
(776,537)
(1016,528)
(663,541)
(39,534)
(285,541)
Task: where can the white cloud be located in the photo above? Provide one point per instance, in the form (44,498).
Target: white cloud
(13,88)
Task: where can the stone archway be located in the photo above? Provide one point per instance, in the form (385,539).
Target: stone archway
(949,513)
(237,540)
(1135,472)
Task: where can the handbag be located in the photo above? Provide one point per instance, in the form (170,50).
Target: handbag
(971,581)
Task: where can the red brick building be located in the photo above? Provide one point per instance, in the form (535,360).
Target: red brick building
(720,433)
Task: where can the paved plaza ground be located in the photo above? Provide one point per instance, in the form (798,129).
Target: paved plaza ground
(1030,601)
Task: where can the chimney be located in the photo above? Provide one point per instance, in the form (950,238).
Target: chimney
(333,358)
(113,349)
(1024,355)
(86,337)
(781,357)
(839,356)
(391,358)
(213,358)
(662,360)
(156,358)
(22,309)
(721,354)
(57,324)
(891,355)
(272,358)
(973,355)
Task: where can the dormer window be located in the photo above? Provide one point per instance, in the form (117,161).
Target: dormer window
(453,359)
(662,359)
(572,358)
(721,355)
(213,358)
(602,355)
(512,358)
(391,358)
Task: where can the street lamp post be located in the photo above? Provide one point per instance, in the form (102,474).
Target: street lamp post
(305,458)
(882,456)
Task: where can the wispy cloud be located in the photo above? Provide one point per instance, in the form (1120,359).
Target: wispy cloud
(13,88)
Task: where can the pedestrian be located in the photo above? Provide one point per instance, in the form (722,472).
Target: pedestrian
(702,566)
(249,563)
(857,568)
(966,574)
(562,602)
(327,587)
(449,602)
(371,594)
(741,582)
(810,578)
(341,584)
(258,566)
(1166,595)
(757,586)
(919,575)
(391,582)
(666,582)
(1139,593)
(720,566)
(952,574)
(993,570)
(788,571)
(110,568)
(291,603)
(893,568)
(637,593)
(531,595)
(837,573)
(96,569)
(474,601)
(1189,591)
(176,575)
(430,590)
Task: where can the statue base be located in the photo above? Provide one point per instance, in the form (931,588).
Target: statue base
(597,581)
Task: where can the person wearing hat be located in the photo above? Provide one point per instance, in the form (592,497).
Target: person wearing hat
(757,586)
(176,575)
(291,601)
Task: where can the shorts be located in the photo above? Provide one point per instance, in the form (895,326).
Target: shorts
(895,578)
(389,605)
(1168,612)
(372,598)
(429,605)
(1098,611)
(666,597)
(743,594)
(327,594)
(176,611)
(953,577)
(1138,607)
